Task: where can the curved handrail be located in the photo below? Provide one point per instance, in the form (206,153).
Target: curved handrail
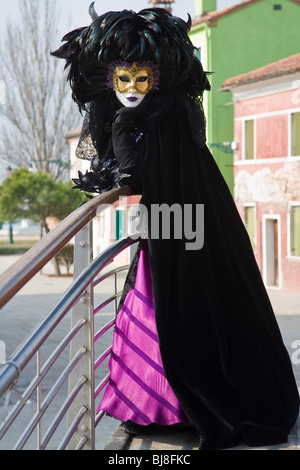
(17,275)
(33,342)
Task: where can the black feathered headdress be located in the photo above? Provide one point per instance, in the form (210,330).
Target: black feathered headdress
(151,35)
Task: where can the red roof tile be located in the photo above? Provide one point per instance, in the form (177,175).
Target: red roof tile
(155,2)
(284,66)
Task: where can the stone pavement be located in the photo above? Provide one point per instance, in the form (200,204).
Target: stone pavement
(35,300)
(18,318)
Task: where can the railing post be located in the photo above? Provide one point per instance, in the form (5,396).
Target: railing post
(85,432)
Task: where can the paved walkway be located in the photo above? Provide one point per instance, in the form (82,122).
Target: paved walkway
(18,318)
(35,300)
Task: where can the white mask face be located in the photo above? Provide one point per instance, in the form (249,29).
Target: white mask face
(131,99)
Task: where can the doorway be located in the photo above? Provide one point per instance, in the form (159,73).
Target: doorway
(271,251)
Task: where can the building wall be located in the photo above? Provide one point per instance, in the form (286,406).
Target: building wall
(271,181)
(243,40)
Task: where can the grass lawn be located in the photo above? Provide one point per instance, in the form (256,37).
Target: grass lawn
(20,245)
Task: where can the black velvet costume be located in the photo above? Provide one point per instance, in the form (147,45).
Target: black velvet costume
(220,344)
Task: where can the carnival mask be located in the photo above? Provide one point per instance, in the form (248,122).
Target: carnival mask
(132,82)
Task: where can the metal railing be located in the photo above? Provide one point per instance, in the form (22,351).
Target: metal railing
(76,384)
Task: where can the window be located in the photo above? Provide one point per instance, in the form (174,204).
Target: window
(295,134)
(249,139)
(271,250)
(250,224)
(295,230)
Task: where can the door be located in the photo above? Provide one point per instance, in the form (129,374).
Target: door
(271,251)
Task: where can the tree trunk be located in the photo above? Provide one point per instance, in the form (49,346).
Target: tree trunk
(56,266)
(55,260)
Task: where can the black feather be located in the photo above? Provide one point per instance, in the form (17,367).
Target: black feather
(132,53)
(153,34)
(150,39)
(142,43)
(92,11)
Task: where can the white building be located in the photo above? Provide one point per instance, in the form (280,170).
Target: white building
(114,222)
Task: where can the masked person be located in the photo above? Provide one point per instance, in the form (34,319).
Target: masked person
(196,340)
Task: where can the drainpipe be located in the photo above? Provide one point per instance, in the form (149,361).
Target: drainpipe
(209,69)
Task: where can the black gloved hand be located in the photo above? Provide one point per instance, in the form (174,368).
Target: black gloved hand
(103,177)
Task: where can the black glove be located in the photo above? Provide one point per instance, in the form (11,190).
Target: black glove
(103,177)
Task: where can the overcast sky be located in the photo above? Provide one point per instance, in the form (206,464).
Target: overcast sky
(74,13)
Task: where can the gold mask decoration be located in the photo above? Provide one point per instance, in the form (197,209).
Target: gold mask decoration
(126,79)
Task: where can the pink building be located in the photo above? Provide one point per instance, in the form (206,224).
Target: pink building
(267,166)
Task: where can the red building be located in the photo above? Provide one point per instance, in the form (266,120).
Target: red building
(267,166)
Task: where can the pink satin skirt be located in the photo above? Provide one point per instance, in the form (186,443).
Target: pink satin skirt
(138,389)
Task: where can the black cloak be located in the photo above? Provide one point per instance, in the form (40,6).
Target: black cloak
(220,344)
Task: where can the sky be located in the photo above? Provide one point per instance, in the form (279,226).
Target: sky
(74,13)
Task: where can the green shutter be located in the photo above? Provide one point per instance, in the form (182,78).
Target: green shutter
(295,231)
(250,223)
(295,134)
(120,224)
(249,140)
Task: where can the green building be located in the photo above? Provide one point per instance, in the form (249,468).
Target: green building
(235,40)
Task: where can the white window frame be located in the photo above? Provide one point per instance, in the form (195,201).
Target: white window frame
(295,111)
(289,254)
(264,251)
(244,139)
(252,204)
(263,161)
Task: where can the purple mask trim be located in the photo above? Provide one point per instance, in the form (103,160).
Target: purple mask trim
(120,63)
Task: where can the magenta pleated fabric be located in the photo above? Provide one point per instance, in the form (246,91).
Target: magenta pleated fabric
(138,390)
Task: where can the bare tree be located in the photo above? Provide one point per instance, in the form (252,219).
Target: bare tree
(38,110)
